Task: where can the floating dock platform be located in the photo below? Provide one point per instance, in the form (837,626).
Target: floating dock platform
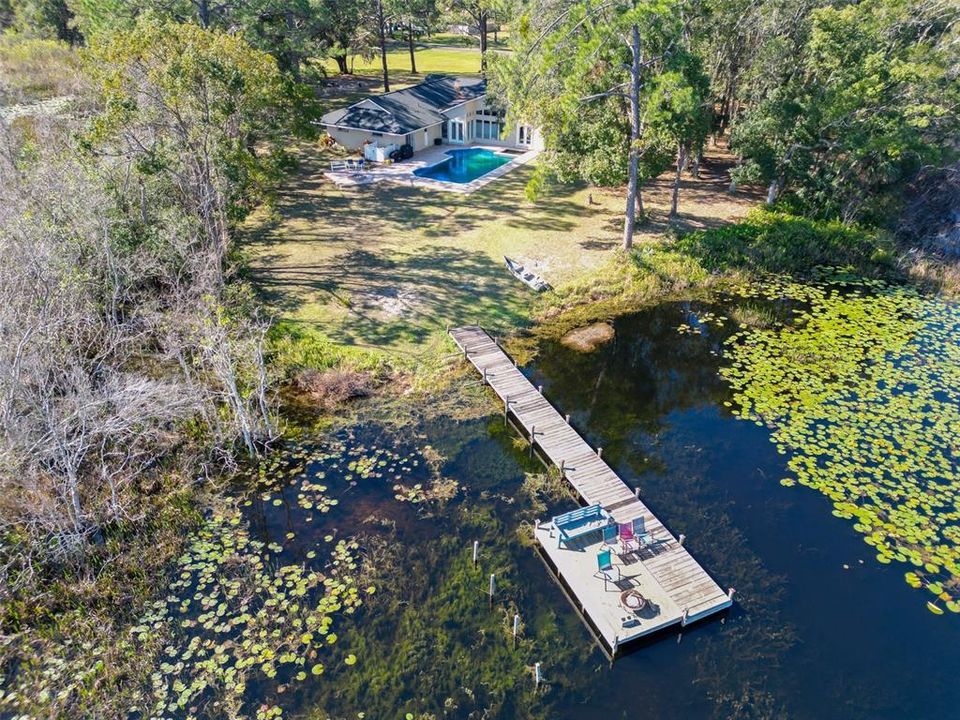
(675,587)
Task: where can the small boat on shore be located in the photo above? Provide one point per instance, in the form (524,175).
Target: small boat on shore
(527,277)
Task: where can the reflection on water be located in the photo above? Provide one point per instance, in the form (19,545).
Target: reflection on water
(816,633)
(819,630)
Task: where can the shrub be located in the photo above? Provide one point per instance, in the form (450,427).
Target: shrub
(770,241)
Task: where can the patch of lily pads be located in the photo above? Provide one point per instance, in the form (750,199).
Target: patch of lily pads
(239,618)
(860,388)
(250,611)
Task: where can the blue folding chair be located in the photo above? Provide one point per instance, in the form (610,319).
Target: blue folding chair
(605,567)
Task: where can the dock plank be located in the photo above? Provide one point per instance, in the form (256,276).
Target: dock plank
(688,592)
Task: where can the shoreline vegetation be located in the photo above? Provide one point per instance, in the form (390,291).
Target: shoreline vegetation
(167,236)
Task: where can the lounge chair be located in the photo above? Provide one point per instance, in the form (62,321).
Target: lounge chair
(605,567)
(610,534)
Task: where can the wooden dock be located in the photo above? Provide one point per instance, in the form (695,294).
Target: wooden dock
(681,590)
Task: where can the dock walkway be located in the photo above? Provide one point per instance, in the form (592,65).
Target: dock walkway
(666,571)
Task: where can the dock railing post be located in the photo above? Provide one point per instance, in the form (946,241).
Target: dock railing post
(563,467)
(537,677)
(540,389)
(516,628)
(485,376)
(533,434)
(683,618)
(493,587)
(681,539)
(506,409)
(599,452)
(566,418)
(731,592)
(636,491)
(476,550)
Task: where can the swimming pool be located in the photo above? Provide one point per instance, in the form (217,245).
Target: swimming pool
(464,166)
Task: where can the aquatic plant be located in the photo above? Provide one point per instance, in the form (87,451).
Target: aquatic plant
(861,393)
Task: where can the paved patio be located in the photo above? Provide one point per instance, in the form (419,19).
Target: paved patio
(402,172)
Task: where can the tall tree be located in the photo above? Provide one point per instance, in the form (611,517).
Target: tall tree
(339,23)
(415,17)
(873,99)
(572,55)
(200,108)
(380,18)
(678,107)
(43,19)
(477,13)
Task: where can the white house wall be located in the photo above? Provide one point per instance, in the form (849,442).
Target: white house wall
(355,139)
(424,138)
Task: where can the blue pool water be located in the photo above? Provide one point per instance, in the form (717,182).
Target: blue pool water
(464,166)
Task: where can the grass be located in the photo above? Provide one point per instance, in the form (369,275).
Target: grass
(32,70)
(357,275)
(430,59)
(390,267)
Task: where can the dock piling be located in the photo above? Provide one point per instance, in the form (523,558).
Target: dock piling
(681,539)
(537,677)
(689,588)
(516,628)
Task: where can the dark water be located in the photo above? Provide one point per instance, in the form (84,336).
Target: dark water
(819,630)
(816,632)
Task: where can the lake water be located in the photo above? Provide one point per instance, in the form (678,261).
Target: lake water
(819,629)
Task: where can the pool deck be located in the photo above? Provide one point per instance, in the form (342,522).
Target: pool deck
(403,172)
(677,588)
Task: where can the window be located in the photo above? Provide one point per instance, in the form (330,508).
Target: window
(456,131)
(486,129)
(524,135)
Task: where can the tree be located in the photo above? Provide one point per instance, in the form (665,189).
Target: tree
(871,103)
(339,22)
(415,16)
(41,19)
(569,56)
(678,107)
(478,13)
(200,109)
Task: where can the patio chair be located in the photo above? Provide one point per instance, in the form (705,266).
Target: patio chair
(610,534)
(640,532)
(628,541)
(605,567)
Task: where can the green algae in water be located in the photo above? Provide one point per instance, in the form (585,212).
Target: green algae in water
(244,620)
(861,392)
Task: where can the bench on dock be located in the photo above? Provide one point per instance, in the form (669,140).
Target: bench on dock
(579,522)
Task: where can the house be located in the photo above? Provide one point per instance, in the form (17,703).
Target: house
(439,111)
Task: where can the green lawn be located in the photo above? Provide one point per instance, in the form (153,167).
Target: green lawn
(388,266)
(460,60)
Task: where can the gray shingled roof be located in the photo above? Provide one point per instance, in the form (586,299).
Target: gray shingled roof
(404,111)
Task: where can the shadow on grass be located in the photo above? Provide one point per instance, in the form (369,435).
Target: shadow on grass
(401,297)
